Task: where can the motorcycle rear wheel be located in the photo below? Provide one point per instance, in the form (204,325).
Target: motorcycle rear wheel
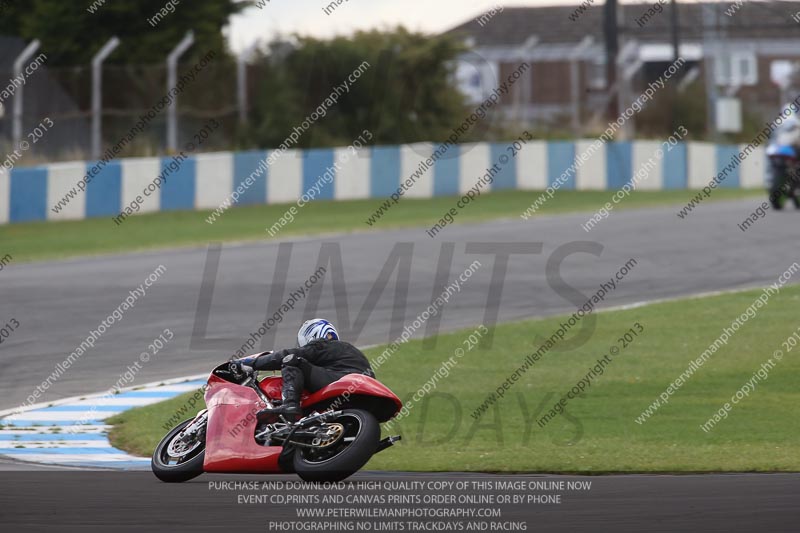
(346,456)
(777,192)
(186,467)
(777,200)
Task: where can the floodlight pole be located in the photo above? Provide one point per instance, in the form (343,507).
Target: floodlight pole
(172,81)
(97,95)
(19,62)
(241,82)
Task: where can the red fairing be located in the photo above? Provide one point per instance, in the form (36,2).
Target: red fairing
(230,446)
(232,408)
(349,385)
(271,386)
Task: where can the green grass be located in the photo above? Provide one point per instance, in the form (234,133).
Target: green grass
(599,434)
(46,240)
(139,430)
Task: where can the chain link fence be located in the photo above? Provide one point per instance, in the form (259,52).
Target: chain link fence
(64,95)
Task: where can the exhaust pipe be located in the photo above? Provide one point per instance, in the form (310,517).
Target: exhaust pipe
(388,442)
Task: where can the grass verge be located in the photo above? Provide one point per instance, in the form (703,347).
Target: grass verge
(49,240)
(598,432)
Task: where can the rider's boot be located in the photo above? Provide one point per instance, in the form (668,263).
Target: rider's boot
(290,395)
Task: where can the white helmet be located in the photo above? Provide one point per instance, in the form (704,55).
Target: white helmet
(316,328)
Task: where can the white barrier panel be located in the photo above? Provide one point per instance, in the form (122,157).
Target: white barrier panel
(702,161)
(643,152)
(532,166)
(475,159)
(591,174)
(5,195)
(214,180)
(753,172)
(285,178)
(410,158)
(352,177)
(61,177)
(137,174)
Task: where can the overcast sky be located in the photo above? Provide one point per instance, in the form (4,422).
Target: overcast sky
(284,17)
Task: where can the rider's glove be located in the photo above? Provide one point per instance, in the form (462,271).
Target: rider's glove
(245,364)
(249,360)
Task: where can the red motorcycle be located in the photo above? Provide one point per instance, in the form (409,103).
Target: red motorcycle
(338,434)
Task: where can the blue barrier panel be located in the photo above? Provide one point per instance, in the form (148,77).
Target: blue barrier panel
(676,167)
(560,156)
(446,171)
(506,178)
(178,191)
(28,194)
(725,153)
(384,171)
(245,165)
(619,164)
(104,192)
(315,164)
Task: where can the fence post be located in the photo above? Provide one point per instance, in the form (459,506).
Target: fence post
(241,82)
(97,95)
(19,62)
(172,81)
(575,80)
(523,95)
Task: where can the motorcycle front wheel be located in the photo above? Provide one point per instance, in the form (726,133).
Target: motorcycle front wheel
(356,444)
(176,459)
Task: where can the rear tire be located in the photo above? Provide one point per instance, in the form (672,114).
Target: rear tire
(360,426)
(182,471)
(777,194)
(777,199)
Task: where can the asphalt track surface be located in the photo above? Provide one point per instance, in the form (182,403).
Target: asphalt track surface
(59,303)
(136,501)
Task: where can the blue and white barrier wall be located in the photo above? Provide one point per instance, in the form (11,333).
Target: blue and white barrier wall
(204,181)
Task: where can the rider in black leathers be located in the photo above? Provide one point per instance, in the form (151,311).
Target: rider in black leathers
(319,360)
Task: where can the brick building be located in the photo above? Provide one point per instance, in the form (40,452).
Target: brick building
(748,47)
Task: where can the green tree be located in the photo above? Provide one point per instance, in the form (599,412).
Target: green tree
(71,34)
(11,12)
(406,91)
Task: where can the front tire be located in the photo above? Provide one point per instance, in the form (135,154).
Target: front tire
(345,457)
(186,467)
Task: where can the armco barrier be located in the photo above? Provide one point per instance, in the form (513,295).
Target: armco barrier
(205,181)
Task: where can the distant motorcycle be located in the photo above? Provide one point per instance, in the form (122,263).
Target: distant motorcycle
(338,434)
(784,166)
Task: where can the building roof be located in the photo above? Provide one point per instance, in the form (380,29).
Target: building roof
(552,24)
